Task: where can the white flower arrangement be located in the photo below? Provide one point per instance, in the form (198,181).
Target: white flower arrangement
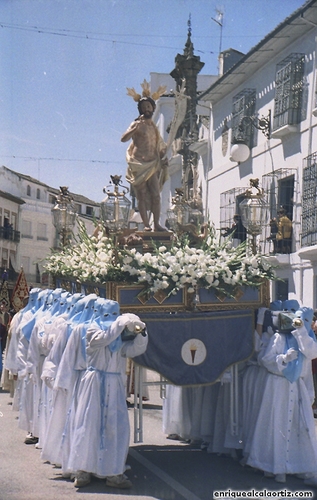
(211,265)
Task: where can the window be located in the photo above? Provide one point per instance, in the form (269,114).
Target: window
(281,290)
(89,211)
(229,208)
(12,258)
(51,199)
(1,217)
(38,274)
(286,194)
(41,232)
(5,258)
(243,105)
(309,213)
(14,221)
(38,194)
(28,190)
(25,263)
(26,229)
(279,189)
(289,83)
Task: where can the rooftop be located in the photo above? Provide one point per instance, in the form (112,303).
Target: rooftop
(296,25)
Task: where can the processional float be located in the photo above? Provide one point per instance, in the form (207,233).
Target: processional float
(195,291)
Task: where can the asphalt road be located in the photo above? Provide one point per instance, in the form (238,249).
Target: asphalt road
(161,469)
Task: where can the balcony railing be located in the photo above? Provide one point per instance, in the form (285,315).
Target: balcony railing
(10,272)
(7,233)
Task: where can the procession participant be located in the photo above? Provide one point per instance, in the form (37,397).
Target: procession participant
(181,420)
(100,425)
(314,365)
(147,165)
(255,376)
(62,372)
(11,359)
(173,418)
(8,378)
(5,319)
(208,414)
(28,396)
(224,441)
(36,356)
(41,342)
(74,307)
(17,349)
(290,446)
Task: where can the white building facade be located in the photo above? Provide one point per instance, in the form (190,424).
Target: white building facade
(275,80)
(10,214)
(27,233)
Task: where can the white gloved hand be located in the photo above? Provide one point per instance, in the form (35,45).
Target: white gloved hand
(261,313)
(133,322)
(290,355)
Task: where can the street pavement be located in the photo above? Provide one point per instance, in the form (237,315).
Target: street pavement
(161,469)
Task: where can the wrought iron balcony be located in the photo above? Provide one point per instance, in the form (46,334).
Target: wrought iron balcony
(7,233)
(11,274)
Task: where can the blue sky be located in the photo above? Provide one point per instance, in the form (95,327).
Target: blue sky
(65,66)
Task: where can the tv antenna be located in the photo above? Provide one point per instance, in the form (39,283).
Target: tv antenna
(219,20)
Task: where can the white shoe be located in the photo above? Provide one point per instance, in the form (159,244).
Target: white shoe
(69,475)
(119,481)
(280,478)
(66,475)
(82,479)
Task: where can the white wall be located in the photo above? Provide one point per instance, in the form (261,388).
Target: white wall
(270,155)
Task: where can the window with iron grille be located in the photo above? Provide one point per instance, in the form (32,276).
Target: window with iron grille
(229,207)
(279,189)
(243,105)
(289,83)
(309,213)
